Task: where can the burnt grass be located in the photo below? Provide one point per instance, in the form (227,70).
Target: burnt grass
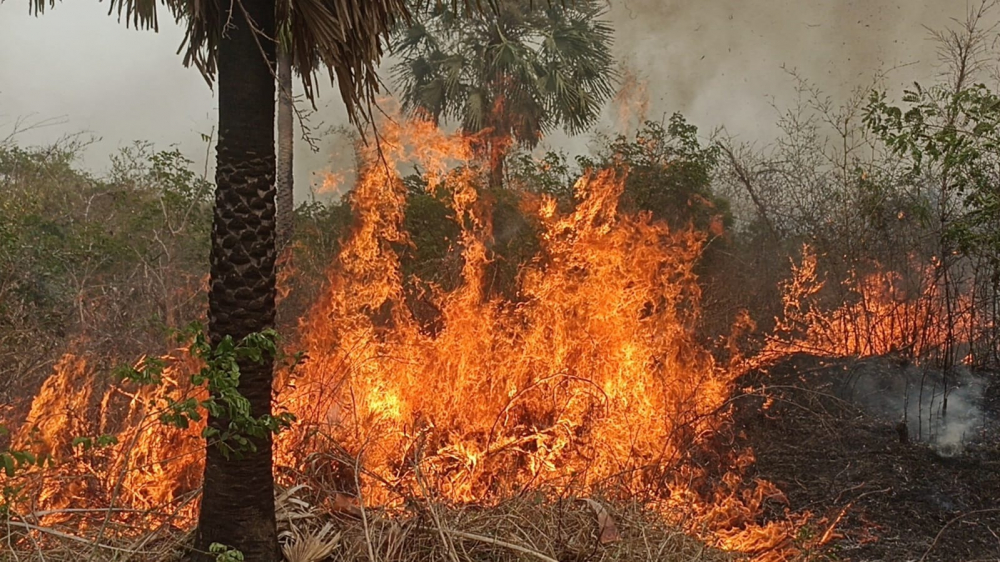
(877,497)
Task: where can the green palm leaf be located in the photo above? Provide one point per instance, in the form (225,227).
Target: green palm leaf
(525,69)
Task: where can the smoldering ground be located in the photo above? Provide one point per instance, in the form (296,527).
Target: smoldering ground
(914,396)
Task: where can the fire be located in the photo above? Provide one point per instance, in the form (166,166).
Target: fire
(591,376)
(589,379)
(632,99)
(59,410)
(147,466)
(884,312)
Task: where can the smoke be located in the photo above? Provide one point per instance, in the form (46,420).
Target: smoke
(719,63)
(78,64)
(725,62)
(915,395)
(704,58)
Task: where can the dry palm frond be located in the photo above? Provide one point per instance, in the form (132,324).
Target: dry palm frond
(302,540)
(290,508)
(345,36)
(522,530)
(518,530)
(309,546)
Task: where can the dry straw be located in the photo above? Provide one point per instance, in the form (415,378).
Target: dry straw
(529,529)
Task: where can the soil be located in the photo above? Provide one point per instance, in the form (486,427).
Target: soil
(878,495)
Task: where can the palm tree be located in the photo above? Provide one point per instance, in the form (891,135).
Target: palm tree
(232,44)
(511,76)
(285,182)
(238,500)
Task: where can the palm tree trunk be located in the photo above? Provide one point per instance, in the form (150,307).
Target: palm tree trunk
(286,124)
(497,153)
(496,170)
(237,507)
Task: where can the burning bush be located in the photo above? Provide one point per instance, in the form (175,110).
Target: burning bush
(883,312)
(591,376)
(583,375)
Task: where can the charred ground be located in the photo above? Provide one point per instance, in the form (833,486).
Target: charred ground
(871,496)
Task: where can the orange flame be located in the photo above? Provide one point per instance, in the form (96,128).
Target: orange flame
(631,100)
(883,313)
(148,466)
(592,376)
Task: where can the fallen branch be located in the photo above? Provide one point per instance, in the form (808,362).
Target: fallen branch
(949,524)
(67,536)
(498,542)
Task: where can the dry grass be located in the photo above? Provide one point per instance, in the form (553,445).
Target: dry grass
(529,529)
(518,530)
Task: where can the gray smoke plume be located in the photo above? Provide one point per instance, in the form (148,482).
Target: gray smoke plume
(726,63)
(719,63)
(723,63)
(915,395)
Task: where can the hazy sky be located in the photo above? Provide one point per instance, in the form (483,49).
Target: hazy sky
(717,61)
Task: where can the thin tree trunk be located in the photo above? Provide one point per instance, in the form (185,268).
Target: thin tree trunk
(496,171)
(497,149)
(744,177)
(237,507)
(286,129)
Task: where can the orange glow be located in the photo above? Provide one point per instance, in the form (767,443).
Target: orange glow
(882,314)
(631,101)
(150,467)
(591,379)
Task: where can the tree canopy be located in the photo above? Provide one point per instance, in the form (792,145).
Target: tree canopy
(345,38)
(522,70)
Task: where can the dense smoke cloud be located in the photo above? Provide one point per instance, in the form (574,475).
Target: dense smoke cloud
(718,62)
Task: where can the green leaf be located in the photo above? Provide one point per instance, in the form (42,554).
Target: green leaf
(8,464)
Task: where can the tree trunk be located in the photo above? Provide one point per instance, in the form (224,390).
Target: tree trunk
(237,507)
(496,171)
(497,153)
(286,129)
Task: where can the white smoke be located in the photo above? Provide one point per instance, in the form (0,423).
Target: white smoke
(915,395)
(719,63)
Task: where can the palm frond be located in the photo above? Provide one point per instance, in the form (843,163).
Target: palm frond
(524,70)
(346,37)
(37,7)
